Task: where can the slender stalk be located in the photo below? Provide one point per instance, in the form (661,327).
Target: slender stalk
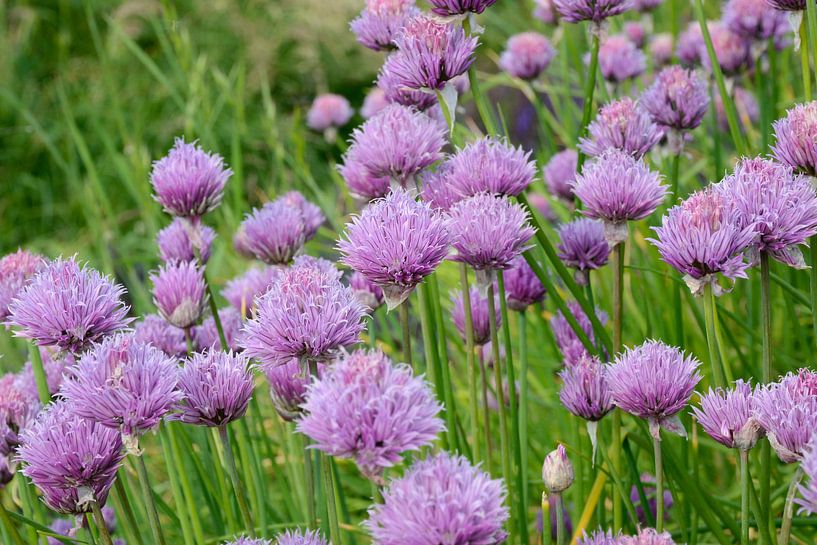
(479,99)
(812,274)
(486,410)
(184,480)
(676,287)
(331,506)
(804,62)
(547,532)
(99,520)
(618,317)
(8,524)
(238,486)
(523,402)
(434,364)
(309,480)
(39,374)
(766,377)
(561,531)
(744,497)
(89,532)
(709,319)
(589,87)
(469,358)
(788,510)
(404,322)
(150,503)
(214,311)
(659,484)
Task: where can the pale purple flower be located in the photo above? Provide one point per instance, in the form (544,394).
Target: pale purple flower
(215,387)
(636,33)
(307,315)
(206,334)
(584,391)
(522,287)
(677,99)
(796,138)
(731,50)
(243,290)
(287,387)
(185,240)
(574,11)
(448,8)
(654,381)
(748,109)
(16,271)
(397,92)
(17,410)
(241,244)
(582,246)
(781,206)
(527,55)
(124,385)
(73,461)
(648,536)
(367,408)
(479,314)
(728,416)
(621,124)
(754,19)
(488,231)
(323,265)
(156,331)
(395,243)
(559,174)
(367,292)
(430,53)
(661,48)
(490,165)
(441,499)
(808,491)
(311,214)
(69,307)
(600,537)
(180,293)
(380,21)
(300,537)
(617,188)
(787,410)
(373,103)
(361,183)
(188,181)
(691,45)
(620,59)
(541,204)
(60,526)
(275,233)
(703,237)
(436,190)
(328,111)
(545,11)
(569,344)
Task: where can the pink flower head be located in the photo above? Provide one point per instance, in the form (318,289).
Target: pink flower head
(373,103)
(584,391)
(380,21)
(583,246)
(328,111)
(206,335)
(545,11)
(156,331)
(621,124)
(796,138)
(677,99)
(16,271)
(754,19)
(489,165)
(527,55)
(367,292)
(661,49)
(787,411)
(620,59)
(243,290)
(731,50)
(180,293)
(360,181)
(567,341)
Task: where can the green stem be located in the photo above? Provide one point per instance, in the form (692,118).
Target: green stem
(433,362)
(523,402)
(486,410)
(547,531)
(104,535)
(766,377)
(709,318)
(238,486)
(184,481)
(618,317)
(8,524)
(404,322)
(561,532)
(150,503)
(331,506)
(479,99)
(804,62)
(89,532)
(449,121)
(589,87)
(39,374)
(659,484)
(309,479)
(214,311)
(469,357)
(744,497)
(788,510)
(813,283)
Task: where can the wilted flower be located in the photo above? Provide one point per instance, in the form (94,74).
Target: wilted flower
(180,293)
(620,59)
(731,50)
(395,243)
(582,246)
(677,99)
(522,287)
(787,410)
(188,181)
(654,381)
(557,471)
(545,11)
(328,111)
(373,103)
(574,11)
(584,391)
(442,499)
(156,331)
(307,315)
(448,8)
(489,165)
(184,240)
(206,334)
(69,307)
(746,105)
(243,290)
(287,387)
(215,387)
(661,48)
(559,174)
(300,537)
(808,491)
(73,461)
(568,342)
(16,271)
(479,315)
(380,22)
(527,55)
(796,138)
(754,19)
(361,183)
(367,408)
(728,416)
(624,125)
(367,292)
(779,205)
(617,188)
(636,33)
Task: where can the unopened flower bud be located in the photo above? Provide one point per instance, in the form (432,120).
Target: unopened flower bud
(557,471)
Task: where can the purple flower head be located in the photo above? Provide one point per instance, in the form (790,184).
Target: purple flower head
(243,290)
(545,11)
(436,190)
(361,183)
(808,491)
(648,486)
(574,11)
(367,292)
(600,537)
(559,174)
(328,111)
(60,526)
(396,92)
(307,315)
(287,388)
(569,344)
(703,237)
(367,408)
(373,103)
(16,271)
(527,55)
(489,231)
(17,410)
(731,50)
(156,331)
(654,381)
(429,54)
(449,8)
(73,461)
(311,214)
(728,416)
(754,19)
(300,537)
(490,165)
(395,243)
(124,385)
(69,307)
(479,314)
(620,59)
(398,143)
(541,204)
(188,181)
(180,293)
(677,99)
(621,124)
(583,247)
(636,33)
(522,287)
(788,5)
(442,499)
(585,392)
(380,22)
(787,410)
(781,206)
(691,45)
(241,244)
(661,48)
(275,233)
(796,138)
(646,5)
(206,334)
(215,387)
(557,471)
(648,536)
(746,105)
(183,240)
(243,540)
(617,188)
(323,265)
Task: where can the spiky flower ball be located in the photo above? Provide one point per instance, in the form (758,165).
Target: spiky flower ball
(584,391)
(616,188)
(328,111)
(288,384)
(691,45)
(184,240)
(582,246)
(180,293)
(397,93)
(124,385)
(156,331)
(73,461)
(527,55)
(311,214)
(479,315)
(620,59)
(69,307)
(754,19)
(380,21)
(808,491)
(677,99)
(243,290)
(746,107)
(206,335)
(300,537)
(368,293)
(621,124)
(367,408)
(430,54)
(796,138)
(360,181)
(188,181)
(16,271)
(522,287)
(395,243)
(442,499)
(728,416)
(449,8)
(215,387)
(787,411)
(568,342)
(559,174)
(307,315)
(275,233)
(780,206)
(575,11)
(489,165)
(654,381)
